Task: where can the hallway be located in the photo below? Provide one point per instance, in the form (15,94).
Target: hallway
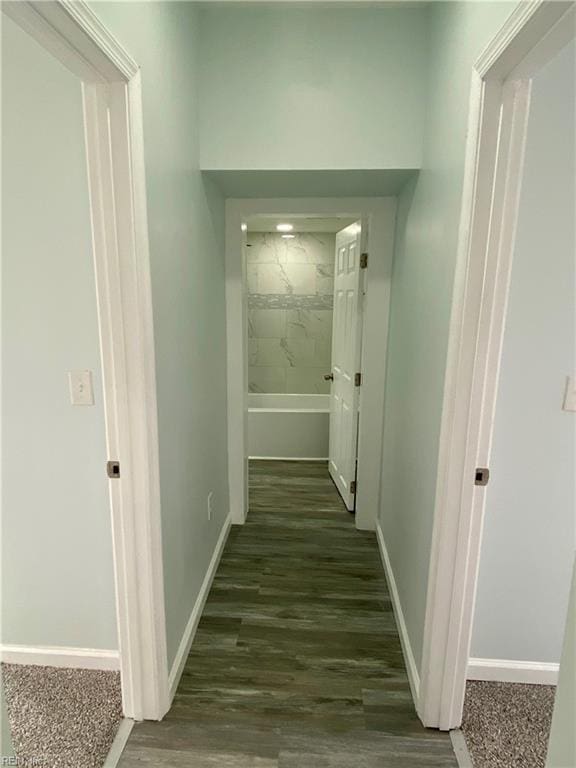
(297,661)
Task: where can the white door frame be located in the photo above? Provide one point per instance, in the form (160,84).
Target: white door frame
(499,105)
(380,213)
(115,151)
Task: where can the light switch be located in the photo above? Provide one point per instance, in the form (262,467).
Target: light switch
(81,389)
(570,396)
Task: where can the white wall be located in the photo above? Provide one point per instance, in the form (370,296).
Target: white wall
(312,88)
(186,225)
(528,541)
(422,281)
(58,584)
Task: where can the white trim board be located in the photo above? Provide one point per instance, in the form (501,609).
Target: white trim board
(287,458)
(55,656)
(409,660)
(196,614)
(511,671)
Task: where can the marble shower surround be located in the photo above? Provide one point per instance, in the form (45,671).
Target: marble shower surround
(290,298)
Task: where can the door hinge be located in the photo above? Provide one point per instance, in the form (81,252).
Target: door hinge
(357,379)
(353,486)
(363,260)
(481,476)
(113,469)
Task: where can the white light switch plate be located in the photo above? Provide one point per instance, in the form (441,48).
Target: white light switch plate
(81,389)
(570,396)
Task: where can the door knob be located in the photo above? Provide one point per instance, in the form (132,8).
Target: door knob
(328,377)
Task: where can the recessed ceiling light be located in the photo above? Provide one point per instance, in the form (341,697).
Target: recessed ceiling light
(284,227)
(288,237)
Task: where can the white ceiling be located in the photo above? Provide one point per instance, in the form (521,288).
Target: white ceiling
(300,223)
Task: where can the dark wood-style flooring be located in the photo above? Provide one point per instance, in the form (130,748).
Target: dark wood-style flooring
(297,661)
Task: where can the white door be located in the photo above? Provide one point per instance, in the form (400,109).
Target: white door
(346,351)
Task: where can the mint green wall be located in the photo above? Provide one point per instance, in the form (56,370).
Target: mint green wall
(186,224)
(312,88)
(427,230)
(57,569)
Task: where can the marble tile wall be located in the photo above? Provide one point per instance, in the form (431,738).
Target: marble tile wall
(290,296)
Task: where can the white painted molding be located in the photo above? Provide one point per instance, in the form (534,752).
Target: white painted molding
(530,22)
(288,458)
(104,40)
(73,33)
(497,48)
(409,660)
(192,625)
(511,671)
(57,656)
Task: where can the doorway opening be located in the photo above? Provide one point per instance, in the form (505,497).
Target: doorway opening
(286,321)
(305,296)
(527,549)
(499,134)
(109,155)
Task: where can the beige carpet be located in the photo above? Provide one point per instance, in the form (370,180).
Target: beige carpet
(62,718)
(507,725)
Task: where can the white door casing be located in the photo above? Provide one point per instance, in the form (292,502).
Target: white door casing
(112,98)
(346,355)
(499,100)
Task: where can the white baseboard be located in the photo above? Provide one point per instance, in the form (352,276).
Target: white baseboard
(286,458)
(511,671)
(411,668)
(192,625)
(53,656)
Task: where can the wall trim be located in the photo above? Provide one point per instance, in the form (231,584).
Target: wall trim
(512,671)
(105,42)
(288,458)
(60,656)
(409,660)
(196,614)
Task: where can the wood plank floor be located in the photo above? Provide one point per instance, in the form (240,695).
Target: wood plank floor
(297,661)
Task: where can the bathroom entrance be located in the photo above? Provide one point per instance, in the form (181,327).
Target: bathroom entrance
(308,299)
(304,299)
